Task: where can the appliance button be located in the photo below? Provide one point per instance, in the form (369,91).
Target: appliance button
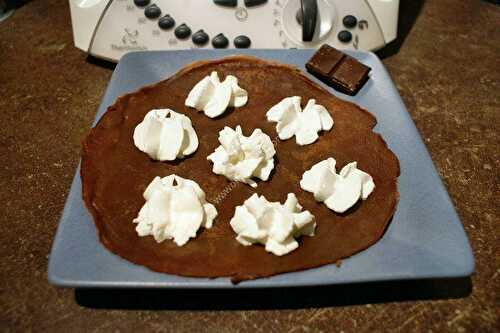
(226,3)
(166,22)
(200,37)
(141,3)
(182,31)
(349,21)
(242,42)
(344,36)
(220,41)
(251,3)
(152,11)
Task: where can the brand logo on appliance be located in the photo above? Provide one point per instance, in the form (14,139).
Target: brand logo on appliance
(130,37)
(129,42)
(241,14)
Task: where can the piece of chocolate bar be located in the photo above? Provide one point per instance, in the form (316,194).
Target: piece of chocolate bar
(338,70)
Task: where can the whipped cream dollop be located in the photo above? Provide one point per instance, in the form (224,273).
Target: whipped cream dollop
(212,96)
(165,135)
(272,224)
(304,124)
(338,191)
(175,209)
(242,157)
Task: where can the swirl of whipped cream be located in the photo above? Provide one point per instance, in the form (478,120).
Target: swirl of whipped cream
(175,209)
(304,124)
(242,157)
(212,96)
(272,224)
(165,135)
(340,191)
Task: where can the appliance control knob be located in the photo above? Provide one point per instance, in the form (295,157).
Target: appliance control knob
(166,22)
(344,36)
(309,15)
(226,3)
(200,37)
(251,3)
(220,41)
(152,11)
(182,31)
(349,21)
(242,42)
(141,3)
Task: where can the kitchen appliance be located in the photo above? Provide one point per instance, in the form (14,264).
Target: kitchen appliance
(110,28)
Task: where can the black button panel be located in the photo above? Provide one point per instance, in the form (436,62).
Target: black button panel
(152,11)
(242,42)
(226,3)
(166,22)
(344,36)
(349,21)
(182,31)
(200,37)
(220,41)
(251,3)
(141,3)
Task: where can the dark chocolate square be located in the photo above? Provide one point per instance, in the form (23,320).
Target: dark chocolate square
(351,73)
(324,61)
(338,70)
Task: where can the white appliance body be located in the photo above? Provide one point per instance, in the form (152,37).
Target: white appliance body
(110,28)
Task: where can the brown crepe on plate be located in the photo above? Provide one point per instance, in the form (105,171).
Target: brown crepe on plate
(115,173)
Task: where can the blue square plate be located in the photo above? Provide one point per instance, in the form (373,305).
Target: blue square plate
(424,240)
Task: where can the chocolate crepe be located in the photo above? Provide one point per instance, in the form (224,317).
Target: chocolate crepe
(115,173)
